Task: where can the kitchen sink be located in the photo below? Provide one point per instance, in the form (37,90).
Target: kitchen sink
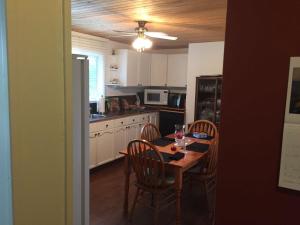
(96,116)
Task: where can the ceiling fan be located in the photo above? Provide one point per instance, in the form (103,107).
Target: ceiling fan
(142,42)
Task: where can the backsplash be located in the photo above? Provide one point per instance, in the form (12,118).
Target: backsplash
(115,104)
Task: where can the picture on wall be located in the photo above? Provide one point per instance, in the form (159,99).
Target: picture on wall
(295,92)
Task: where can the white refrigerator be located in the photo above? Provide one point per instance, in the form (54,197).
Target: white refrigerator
(80,140)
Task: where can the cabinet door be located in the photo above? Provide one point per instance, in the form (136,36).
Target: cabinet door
(159,69)
(153,119)
(128,67)
(120,141)
(132,68)
(177,70)
(157,119)
(105,147)
(93,149)
(139,129)
(130,133)
(144,69)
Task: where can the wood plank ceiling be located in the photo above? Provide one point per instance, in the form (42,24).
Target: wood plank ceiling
(191,21)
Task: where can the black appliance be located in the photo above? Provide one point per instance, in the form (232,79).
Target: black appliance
(168,119)
(141,96)
(176,100)
(93,108)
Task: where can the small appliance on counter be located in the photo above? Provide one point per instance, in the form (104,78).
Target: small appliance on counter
(176,100)
(93,108)
(156,97)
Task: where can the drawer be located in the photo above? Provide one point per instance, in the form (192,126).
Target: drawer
(94,127)
(144,118)
(133,119)
(120,122)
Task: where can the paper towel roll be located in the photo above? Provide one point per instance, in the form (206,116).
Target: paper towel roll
(101,105)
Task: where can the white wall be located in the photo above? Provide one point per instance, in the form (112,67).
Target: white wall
(203,59)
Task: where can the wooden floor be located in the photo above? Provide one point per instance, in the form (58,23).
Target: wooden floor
(106,201)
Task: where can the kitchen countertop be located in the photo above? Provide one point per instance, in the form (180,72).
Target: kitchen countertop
(148,109)
(111,116)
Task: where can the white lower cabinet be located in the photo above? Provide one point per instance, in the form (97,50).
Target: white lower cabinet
(119,140)
(108,138)
(154,118)
(93,149)
(105,147)
(131,132)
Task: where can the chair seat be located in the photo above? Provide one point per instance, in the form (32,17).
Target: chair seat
(198,169)
(170,180)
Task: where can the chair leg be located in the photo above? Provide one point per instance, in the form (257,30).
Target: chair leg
(134,203)
(156,209)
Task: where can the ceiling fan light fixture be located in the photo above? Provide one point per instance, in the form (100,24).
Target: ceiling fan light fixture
(141,43)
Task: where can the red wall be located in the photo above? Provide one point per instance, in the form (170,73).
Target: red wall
(261,35)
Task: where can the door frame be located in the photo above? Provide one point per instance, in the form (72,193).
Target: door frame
(6,210)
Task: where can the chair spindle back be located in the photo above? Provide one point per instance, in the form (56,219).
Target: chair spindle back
(150,132)
(204,126)
(147,163)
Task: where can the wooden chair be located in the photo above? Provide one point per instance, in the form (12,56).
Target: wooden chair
(206,174)
(204,126)
(148,165)
(150,132)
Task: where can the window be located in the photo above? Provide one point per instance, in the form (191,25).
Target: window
(96,73)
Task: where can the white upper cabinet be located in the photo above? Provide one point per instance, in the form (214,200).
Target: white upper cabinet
(128,67)
(144,69)
(177,70)
(159,69)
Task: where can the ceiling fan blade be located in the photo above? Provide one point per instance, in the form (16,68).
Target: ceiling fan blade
(124,32)
(160,35)
(155,34)
(123,35)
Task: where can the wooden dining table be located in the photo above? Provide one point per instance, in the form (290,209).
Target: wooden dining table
(190,159)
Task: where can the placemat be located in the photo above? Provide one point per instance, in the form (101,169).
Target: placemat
(164,141)
(208,138)
(197,147)
(167,156)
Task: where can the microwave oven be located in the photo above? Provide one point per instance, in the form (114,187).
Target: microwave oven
(156,97)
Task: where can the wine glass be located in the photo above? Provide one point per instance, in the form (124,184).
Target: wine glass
(179,136)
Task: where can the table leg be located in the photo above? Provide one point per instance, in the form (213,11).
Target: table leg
(126,187)
(178,189)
